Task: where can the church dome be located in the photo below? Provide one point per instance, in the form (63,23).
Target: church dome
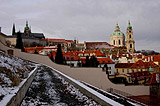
(117,32)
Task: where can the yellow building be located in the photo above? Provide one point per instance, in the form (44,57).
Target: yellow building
(139,66)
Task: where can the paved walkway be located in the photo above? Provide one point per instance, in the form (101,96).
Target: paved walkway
(48,88)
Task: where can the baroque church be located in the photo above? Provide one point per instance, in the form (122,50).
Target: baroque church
(117,38)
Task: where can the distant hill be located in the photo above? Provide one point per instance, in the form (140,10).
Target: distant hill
(147,52)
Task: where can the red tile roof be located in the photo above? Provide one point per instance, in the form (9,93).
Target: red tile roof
(105,60)
(139,75)
(152,58)
(41,48)
(94,45)
(123,65)
(138,64)
(80,44)
(140,56)
(73,55)
(152,79)
(69,40)
(33,48)
(141,64)
(68,56)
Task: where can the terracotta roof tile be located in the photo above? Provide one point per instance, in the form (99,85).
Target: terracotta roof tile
(105,60)
(141,64)
(123,65)
(69,40)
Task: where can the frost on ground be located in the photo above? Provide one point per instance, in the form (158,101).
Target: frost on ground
(48,88)
(12,71)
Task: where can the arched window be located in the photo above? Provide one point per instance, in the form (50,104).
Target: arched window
(130,36)
(119,42)
(130,45)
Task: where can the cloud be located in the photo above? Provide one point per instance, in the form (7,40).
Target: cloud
(87,20)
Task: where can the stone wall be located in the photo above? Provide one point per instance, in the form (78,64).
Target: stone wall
(16,100)
(93,76)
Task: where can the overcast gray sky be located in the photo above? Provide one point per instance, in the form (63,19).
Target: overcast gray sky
(87,20)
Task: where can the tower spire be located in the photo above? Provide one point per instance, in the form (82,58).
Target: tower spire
(26,23)
(129,25)
(13,29)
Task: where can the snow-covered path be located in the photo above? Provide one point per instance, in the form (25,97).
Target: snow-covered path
(48,88)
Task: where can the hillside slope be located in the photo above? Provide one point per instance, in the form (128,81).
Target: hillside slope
(13,70)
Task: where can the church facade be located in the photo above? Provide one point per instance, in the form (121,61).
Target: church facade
(117,38)
(28,38)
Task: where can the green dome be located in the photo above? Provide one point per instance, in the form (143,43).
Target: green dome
(117,33)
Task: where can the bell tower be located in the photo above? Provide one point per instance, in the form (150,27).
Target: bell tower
(130,42)
(26,30)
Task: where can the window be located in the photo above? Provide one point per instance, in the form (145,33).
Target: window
(119,42)
(123,70)
(113,42)
(109,68)
(117,70)
(127,70)
(130,45)
(130,36)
